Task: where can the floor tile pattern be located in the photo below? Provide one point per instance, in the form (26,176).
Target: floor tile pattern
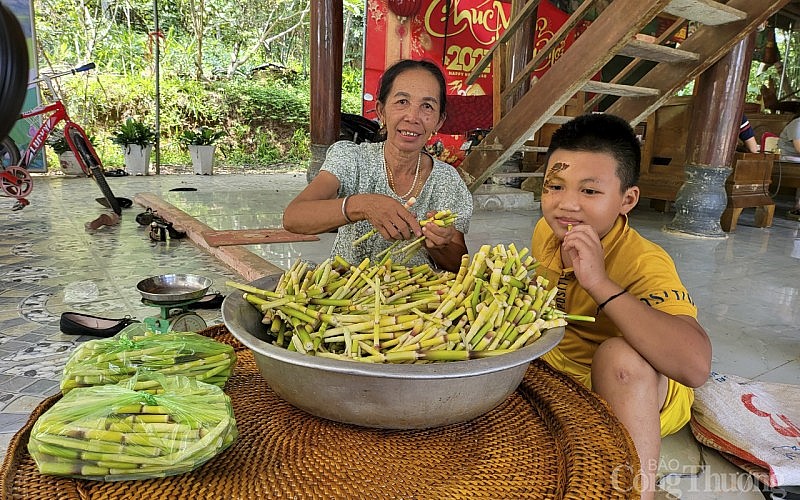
(746,286)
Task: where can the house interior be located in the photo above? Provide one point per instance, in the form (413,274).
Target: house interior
(631,58)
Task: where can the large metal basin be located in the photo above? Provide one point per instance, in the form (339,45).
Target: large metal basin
(385,396)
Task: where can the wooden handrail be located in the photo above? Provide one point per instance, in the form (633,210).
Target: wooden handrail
(515,23)
(573,20)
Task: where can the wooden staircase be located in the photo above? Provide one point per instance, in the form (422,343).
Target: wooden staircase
(718,27)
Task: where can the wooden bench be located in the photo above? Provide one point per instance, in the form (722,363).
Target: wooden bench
(786,173)
(748,187)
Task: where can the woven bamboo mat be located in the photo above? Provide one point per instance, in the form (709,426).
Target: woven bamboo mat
(550,439)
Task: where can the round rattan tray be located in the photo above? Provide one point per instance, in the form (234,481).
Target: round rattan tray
(550,439)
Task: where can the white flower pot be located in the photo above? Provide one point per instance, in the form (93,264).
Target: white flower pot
(202,159)
(137,159)
(69,164)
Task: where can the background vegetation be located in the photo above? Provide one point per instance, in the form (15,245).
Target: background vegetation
(240,66)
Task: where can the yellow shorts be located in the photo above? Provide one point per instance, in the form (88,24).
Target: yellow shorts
(677,406)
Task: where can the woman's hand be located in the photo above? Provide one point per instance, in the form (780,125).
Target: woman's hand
(388,216)
(436,236)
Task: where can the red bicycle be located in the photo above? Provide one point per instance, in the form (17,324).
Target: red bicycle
(16,182)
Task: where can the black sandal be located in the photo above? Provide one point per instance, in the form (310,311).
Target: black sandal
(159,229)
(74,323)
(146,218)
(123,202)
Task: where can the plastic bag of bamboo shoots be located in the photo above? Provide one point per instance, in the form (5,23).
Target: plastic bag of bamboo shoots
(114,433)
(111,360)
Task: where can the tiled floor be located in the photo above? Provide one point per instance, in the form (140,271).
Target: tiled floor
(747,286)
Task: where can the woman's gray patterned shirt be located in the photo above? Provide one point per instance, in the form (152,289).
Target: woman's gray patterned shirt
(359,168)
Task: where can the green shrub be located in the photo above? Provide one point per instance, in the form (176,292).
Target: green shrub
(264,121)
(202,136)
(134,132)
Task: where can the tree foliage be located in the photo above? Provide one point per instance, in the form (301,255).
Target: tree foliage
(238,65)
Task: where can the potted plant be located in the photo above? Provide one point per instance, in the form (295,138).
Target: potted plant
(66,158)
(200,143)
(137,139)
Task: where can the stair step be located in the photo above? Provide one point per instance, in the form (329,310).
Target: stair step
(559,119)
(533,149)
(495,197)
(619,90)
(705,11)
(657,53)
(507,175)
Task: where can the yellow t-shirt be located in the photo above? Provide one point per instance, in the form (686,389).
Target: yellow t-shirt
(638,265)
(642,268)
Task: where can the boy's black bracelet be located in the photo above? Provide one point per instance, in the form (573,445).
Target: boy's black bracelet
(601,306)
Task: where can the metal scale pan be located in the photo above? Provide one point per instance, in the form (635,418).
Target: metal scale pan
(169,291)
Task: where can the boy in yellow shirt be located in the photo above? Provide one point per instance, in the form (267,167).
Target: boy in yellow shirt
(646,349)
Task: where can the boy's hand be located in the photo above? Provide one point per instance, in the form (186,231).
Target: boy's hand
(582,248)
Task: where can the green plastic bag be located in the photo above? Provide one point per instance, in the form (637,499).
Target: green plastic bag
(111,360)
(114,433)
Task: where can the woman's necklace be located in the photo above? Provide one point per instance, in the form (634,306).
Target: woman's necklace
(391,177)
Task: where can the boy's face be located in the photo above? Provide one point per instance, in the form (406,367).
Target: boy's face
(582,187)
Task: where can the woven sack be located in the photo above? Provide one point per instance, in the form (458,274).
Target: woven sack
(756,422)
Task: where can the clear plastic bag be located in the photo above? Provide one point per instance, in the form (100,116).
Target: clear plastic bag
(114,433)
(111,360)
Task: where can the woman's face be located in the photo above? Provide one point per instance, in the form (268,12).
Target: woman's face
(412,111)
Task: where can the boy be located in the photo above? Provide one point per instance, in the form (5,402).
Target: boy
(646,349)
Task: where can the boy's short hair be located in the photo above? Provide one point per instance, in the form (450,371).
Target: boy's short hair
(602,133)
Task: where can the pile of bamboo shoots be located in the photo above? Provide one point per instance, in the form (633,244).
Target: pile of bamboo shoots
(111,360)
(113,432)
(386,312)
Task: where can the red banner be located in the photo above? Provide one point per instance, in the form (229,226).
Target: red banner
(456,34)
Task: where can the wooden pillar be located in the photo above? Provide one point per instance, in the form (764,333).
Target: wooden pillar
(326,78)
(713,130)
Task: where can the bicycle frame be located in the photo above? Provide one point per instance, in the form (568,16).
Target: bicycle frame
(40,138)
(15,181)
(59,114)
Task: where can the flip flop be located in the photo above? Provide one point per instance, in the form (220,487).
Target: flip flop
(146,218)
(118,172)
(123,202)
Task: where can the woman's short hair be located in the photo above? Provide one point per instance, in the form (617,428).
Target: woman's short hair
(396,69)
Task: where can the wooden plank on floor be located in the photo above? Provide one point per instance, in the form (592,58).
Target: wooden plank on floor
(254,237)
(249,265)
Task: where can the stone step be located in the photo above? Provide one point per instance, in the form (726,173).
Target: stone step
(496,197)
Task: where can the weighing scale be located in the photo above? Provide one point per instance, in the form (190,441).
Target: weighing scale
(173,293)
(174,317)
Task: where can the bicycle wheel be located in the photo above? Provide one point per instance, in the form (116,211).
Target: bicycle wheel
(9,153)
(88,159)
(13,69)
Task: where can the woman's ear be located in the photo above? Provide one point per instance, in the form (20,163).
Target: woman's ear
(442,118)
(379,112)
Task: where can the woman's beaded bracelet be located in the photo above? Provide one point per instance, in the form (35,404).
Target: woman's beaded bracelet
(601,306)
(344,209)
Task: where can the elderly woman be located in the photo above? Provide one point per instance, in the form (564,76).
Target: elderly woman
(389,186)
